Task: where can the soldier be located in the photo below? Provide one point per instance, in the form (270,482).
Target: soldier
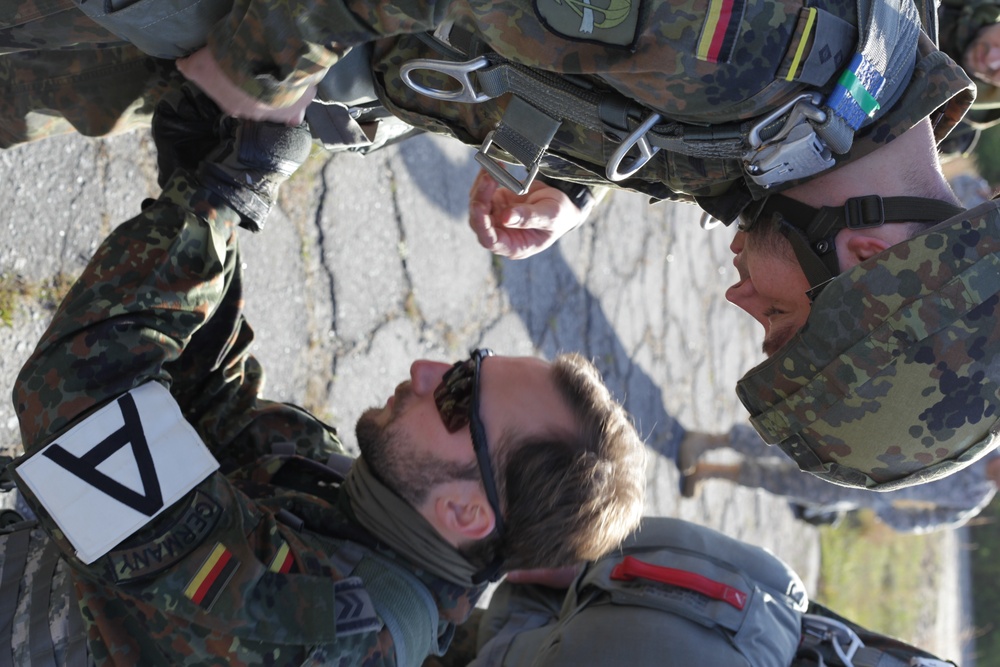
(260,61)
(941,504)
(814,125)
(205,525)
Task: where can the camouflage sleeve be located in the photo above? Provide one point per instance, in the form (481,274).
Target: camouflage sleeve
(275,50)
(149,287)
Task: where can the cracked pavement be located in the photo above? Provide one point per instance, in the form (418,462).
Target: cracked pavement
(367,264)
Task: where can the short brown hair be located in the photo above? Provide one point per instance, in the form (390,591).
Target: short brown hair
(569,497)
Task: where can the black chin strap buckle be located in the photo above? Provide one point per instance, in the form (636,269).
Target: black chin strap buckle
(864,212)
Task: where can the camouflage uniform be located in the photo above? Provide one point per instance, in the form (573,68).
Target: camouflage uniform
(161,301)
(943,503)
(677,58)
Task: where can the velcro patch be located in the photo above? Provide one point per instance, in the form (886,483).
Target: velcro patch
(720,30)
(119,468)
(354,609)
(283,560)
(170,545)
(213,575)
(610,22)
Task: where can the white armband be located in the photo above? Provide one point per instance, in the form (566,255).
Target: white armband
(119,468)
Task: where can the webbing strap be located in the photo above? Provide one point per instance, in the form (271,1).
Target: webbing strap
(563,100)
(884,61)
(76,631)
(14,558)
(405,606)
(40,646)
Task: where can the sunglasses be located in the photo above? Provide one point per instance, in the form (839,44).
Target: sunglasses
(457,400)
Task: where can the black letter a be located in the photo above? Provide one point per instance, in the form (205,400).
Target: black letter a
(85,467)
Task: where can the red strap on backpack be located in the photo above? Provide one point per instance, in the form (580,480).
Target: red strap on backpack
(632,568)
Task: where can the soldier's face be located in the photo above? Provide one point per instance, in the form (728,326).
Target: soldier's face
(407,444)
(771,288)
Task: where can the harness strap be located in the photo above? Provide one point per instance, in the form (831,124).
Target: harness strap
(76,640)
(812,231)
(405,606)
(884,61)
(40,646)
(14,557)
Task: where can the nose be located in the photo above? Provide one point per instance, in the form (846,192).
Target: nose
(739,241)
(425,375)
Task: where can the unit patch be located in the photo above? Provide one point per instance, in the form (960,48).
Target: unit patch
(719,32)
(114,471)
(170,545)
(604,21)
(212,577)
(283,560)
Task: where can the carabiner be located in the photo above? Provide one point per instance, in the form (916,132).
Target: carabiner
(457,71)
(635,140)
(794,116)
(845,642)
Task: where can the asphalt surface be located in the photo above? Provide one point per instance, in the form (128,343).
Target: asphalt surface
(368,264)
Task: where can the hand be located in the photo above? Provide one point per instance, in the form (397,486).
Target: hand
(982,57)
(558,577)
(519,226)
(201,68)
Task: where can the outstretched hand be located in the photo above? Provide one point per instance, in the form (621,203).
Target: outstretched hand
(201,68)
(519,226)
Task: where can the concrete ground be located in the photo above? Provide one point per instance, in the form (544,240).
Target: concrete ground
(368,264)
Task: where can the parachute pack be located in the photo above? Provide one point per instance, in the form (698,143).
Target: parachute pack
(679,594)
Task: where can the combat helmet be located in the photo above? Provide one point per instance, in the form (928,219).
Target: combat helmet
(894,380)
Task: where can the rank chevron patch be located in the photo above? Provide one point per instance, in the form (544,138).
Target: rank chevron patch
(353,608)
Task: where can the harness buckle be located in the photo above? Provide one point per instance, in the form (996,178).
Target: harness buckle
(499,173)
(458,71)
(845,642)
(635,140)
(794,150)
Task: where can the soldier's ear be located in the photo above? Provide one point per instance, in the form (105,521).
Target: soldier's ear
(462,513)
(860,246)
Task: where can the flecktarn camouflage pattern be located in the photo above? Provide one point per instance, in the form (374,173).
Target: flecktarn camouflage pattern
(895,378)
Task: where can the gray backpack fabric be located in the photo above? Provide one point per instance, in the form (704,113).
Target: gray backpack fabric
(677,595)
(729,603)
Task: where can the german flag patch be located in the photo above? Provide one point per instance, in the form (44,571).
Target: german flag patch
(212,577)
(718,34)
(282,561)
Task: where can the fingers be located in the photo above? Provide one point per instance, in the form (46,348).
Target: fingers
(202,69)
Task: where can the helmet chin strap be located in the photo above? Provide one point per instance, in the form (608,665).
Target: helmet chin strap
(812,231)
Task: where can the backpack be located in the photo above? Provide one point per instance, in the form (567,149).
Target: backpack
(679,594)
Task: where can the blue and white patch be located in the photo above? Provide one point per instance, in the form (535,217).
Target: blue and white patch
(353,608)
(116,470)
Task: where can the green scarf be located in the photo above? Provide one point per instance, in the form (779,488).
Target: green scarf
(397,524)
